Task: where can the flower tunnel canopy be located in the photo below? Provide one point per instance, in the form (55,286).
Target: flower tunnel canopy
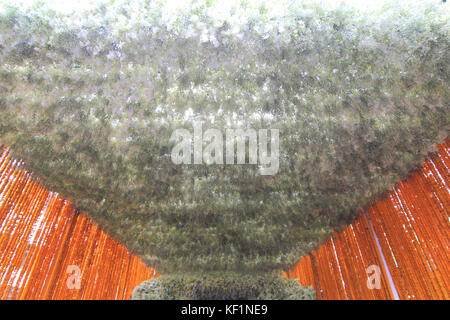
(89,101)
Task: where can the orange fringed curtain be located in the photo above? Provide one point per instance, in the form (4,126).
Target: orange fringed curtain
(405,234)
(44,242)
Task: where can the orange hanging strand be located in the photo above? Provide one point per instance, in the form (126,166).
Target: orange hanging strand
(41,235)
(411,226)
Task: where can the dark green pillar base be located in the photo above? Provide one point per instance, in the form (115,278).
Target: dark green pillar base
(211,287)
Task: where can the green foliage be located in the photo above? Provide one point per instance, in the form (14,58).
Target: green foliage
(90,100)
(244,287)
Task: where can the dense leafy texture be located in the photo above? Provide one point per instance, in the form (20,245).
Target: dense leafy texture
(90,100)
(221,288)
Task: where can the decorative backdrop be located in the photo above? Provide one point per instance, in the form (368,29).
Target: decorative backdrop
(43,241)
